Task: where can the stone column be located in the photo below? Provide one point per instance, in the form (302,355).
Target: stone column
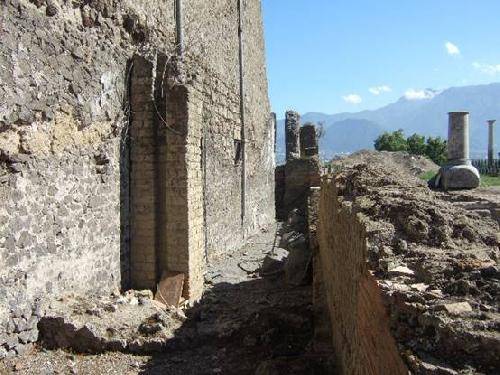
(458,138)
(491,142)
(274,123)
(308,141)
(458,173)
(292,135)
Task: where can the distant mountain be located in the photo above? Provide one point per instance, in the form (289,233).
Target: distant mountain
(349,132)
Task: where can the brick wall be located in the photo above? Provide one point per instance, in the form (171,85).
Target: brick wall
(358,318)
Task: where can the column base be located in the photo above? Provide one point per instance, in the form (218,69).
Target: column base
(458,177)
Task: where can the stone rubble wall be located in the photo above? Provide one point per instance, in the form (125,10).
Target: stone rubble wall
(64,143)
(300,176)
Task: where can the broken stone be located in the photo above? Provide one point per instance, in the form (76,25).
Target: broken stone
(144,294)
(95,312)
(147,328)
(298,264)
(3,353)
(458,308)
(52,8)
(401,271)
(274,262)
(421,287)
(110,307)
(28,336)
(170,288)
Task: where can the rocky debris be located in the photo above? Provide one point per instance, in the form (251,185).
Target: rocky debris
(459,308)
(294,239)
(242,320)
(170,287)
(484,202)
(436,264)
(132,322)
(413,165)
(20,331)
(274,262)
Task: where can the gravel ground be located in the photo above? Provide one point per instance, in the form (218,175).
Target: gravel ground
(242,321)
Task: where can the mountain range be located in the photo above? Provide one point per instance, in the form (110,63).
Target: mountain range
(349,132)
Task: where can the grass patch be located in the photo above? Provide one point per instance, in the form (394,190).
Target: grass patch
(488,181)
(428,175)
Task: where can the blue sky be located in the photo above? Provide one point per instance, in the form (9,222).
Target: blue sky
(326,55)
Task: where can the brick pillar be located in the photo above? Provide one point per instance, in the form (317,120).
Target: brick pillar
(185,241)
(142,176)
(308,141)
(292,135)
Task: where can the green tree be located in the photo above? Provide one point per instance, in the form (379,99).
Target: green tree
(416,144)
(436,150)
(394,141)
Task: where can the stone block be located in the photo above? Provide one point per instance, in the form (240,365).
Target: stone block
(458,177)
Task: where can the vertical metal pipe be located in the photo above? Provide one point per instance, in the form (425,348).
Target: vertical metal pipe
(179,30)
(242,112)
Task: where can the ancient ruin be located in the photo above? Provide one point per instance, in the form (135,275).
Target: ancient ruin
(491,142)
(146,229)
(122,161)
(458,173)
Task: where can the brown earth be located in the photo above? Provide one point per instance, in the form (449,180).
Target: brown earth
(396,161)
(436,261)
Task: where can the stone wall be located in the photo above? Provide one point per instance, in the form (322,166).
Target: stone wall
(300,176)
(359,323)
(76,132)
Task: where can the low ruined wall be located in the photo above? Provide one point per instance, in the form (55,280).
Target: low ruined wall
(409,276)
(300,176)
(359,322)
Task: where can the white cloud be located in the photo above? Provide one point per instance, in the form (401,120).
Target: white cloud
(377,90)
(491,69)
(352,99)
(413,94)
(452,49)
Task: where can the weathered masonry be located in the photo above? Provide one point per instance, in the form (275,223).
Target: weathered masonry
(302,168)
(134,139)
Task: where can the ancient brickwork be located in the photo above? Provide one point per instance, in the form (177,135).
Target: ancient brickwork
(143,197)
(359,323)
(90,199)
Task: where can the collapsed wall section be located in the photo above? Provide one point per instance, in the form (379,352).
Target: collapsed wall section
(410,278)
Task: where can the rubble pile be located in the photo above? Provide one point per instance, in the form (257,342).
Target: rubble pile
(132,323)
(404,162)
(437,266)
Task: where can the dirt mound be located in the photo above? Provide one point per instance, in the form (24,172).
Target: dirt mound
(400,162)
(437,264)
